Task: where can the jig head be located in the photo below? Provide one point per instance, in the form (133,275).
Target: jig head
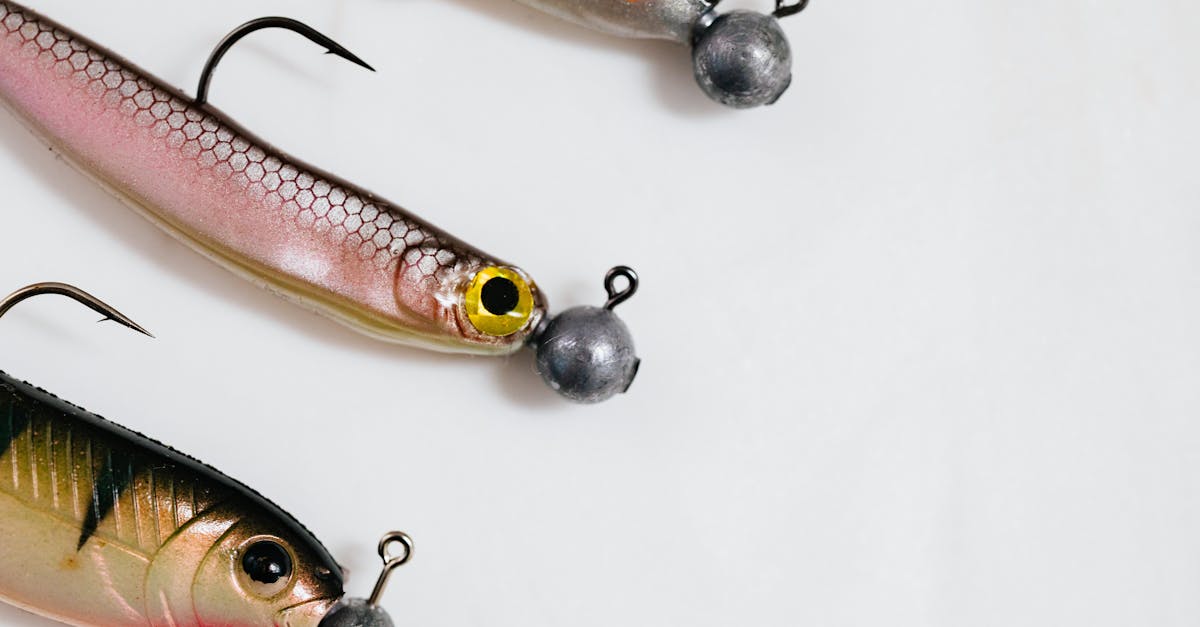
(740,59)
(586,353)
(314,238)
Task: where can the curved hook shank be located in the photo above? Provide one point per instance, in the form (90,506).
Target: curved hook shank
(74,293)
(287,23)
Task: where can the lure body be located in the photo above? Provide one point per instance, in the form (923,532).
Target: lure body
(310,236)
(307,235)
(102,526)
(675,20)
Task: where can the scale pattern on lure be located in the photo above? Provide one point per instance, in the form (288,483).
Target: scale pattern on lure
(311,236)
(305,234)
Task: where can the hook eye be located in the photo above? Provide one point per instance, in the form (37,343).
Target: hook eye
(391,539)
(783,9)
(390,561)
(615,296)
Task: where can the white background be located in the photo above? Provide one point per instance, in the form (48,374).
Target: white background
(919,343)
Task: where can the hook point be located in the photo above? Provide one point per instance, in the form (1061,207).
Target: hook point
(287,23)
(76,294)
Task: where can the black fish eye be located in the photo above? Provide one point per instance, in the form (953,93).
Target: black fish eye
(499,296)
(267,562)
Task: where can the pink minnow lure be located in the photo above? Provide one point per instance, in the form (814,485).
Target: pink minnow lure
(315,238)
(741,59)
(310,236)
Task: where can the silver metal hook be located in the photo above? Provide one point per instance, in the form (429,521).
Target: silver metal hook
(390,563)
(615,296)
(76,294)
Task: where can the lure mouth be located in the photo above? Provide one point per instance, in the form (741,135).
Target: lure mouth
(586,354)
(307,614)
(742,59)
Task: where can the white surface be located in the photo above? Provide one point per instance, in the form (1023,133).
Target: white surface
(919,343)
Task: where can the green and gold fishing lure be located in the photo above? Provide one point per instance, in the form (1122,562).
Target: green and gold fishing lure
(100,525)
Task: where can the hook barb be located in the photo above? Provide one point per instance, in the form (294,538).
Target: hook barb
(287,23)
(76,294)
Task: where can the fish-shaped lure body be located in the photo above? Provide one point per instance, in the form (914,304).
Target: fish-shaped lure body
(305,234)
(308,235)
(741,59)
(103,526)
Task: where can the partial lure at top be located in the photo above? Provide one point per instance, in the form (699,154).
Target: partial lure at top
(741,58)
(310,236)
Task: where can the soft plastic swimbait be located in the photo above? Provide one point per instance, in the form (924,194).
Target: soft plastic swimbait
(308,235)
(741,59)
(103,526)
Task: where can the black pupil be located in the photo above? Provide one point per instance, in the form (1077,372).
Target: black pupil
(267,562)
(499,296)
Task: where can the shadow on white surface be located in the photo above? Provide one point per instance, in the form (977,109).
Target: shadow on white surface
(519,383)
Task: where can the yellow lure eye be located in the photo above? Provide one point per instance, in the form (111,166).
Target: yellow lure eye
(498,301)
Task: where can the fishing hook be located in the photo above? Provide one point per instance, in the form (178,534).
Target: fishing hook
(331,47)
(76,294)
(390,562)
(783,9)
(615,296)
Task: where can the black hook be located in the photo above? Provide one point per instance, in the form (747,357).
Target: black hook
(331,47)
(616,297)
(783,9)
(80,296)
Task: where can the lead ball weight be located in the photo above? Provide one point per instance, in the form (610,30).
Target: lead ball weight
(587,355)
(742,59)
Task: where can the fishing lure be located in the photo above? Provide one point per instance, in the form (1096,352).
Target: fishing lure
(312,237)
(103,526)
(741,58)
